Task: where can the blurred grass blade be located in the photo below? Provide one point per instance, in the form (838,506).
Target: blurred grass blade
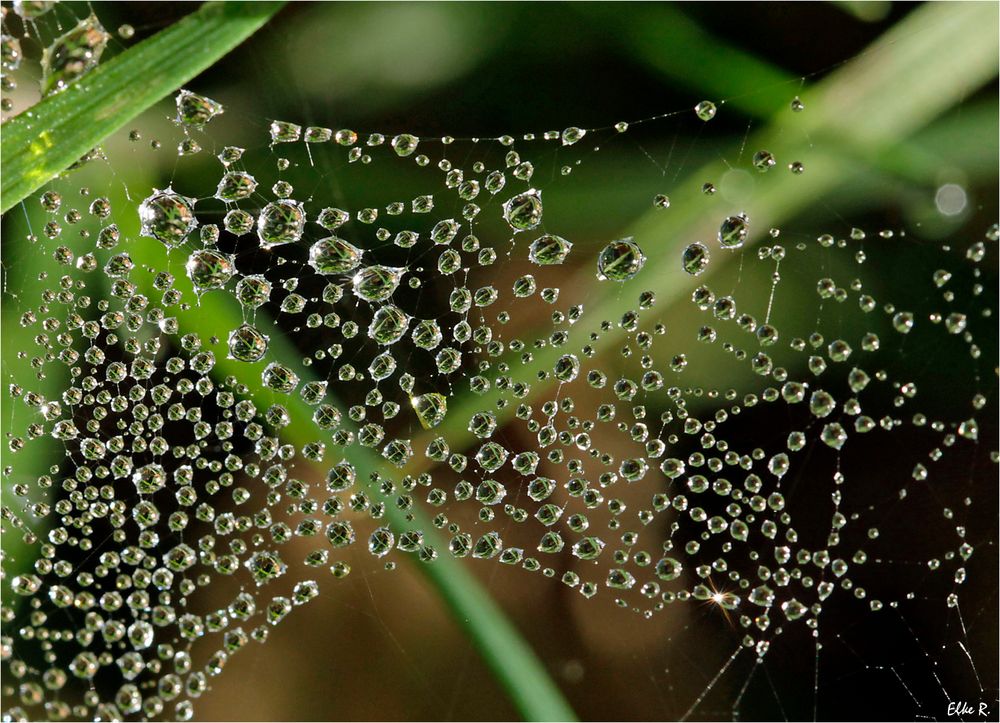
(36,457)
(867,11)
(861,112)
(664,37)
(669,41)
(506,653)
(46,139)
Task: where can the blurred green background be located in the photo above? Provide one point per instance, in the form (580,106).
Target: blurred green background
(379,645)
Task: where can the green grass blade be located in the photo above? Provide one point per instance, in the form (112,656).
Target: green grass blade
(16,368)
(867,11)
(46,139)
(668,40)
(510,658)
(861,113)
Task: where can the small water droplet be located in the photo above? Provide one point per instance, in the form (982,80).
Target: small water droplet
(705,110)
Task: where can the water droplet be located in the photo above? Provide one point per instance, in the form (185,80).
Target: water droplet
(405,144)
(491,456)
(230,155)
(247,344)
(280,222)
(196,110)
(834,435)
(388,325)
(969,429)
(209,269)
(430,409)
(955,323)
(253,291)
(903,322)
(10,52)
(620,260)
(284,132)
(588,548)
(572,134)
(265,566)
(167,217)
(695,258)
(549,250)
(235,186)
(705,110)
(73,54)
(30,9)
(316,134)
(734,231)
(377,283)
(149,479)
(334,255)
(381,542)
(524,211)
(279,378)
(567,368)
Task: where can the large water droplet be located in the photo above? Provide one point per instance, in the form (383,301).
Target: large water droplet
(253,291)
(72,54)
(549,250)
(388,325)
(279,378)
(209,269)
(280,222)
(524,211)
(333,255)
(196,110)
(405,144)
(377,283)
(620,260)
(149,479)
(247,344)
(167,216)
(734,230)
(430,409)
(572,134)
(235,186)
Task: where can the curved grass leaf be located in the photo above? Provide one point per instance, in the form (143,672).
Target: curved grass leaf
(46,139)
(863,110)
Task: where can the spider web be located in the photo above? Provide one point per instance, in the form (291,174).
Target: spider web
(743,449)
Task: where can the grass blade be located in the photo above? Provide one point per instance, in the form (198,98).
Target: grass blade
(862,112)
(46,139)
(666,39)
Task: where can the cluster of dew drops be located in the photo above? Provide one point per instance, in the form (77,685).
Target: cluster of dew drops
(169,476)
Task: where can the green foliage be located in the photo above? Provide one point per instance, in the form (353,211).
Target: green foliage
(44,141)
